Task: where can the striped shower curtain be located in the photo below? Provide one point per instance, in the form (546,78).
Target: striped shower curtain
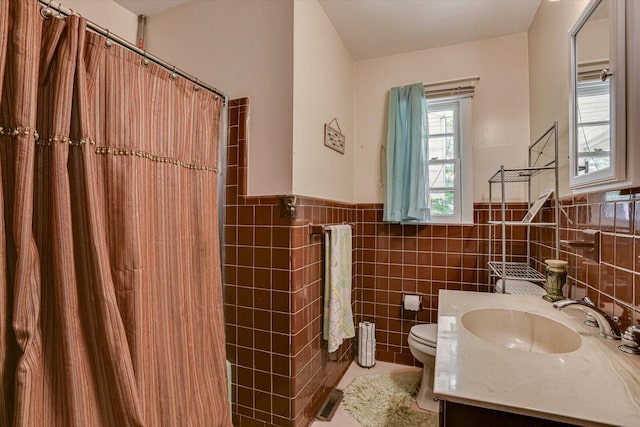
(110,285)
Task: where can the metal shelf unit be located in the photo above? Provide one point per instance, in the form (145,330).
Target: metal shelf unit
(515,271)
(539,162)
(517,175)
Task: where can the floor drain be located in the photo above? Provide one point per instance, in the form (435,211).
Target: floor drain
(330,405)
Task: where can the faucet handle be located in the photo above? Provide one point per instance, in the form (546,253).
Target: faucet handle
(591,320)
(631,340)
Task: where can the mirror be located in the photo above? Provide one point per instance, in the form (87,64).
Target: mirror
(596,132)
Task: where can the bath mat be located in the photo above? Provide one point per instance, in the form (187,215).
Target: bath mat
(385,401)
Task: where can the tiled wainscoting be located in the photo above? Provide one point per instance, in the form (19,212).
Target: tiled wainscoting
(273,298)
(395,259)
(613,283)
(273,280)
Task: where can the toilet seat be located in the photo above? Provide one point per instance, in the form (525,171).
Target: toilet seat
(425,334)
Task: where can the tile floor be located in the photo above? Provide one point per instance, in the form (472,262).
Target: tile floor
(342,418)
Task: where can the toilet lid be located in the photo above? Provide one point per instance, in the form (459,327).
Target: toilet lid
(426,334)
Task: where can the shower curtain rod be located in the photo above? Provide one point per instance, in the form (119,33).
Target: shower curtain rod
(122,42)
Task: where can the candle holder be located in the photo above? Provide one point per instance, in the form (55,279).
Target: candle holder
(556,272)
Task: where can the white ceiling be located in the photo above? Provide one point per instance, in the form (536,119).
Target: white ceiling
(149,7)
(374,28)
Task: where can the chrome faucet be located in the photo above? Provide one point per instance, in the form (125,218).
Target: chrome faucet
(608,327)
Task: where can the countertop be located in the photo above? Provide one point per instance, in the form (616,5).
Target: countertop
(594,385)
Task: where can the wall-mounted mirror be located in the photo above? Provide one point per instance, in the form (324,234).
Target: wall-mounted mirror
(597,102)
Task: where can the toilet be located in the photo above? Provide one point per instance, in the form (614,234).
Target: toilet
(422,343)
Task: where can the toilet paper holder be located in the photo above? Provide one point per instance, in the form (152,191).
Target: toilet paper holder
(404,302)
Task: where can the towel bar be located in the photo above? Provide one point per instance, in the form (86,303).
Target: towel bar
(322,228)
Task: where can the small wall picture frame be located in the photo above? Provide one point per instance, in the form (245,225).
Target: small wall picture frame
(333,138)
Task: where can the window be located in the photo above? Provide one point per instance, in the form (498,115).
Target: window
(450,173)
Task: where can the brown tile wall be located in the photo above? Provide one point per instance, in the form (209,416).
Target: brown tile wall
(256,290)
(613,283)
(397,259)
(281,371)
(313,374)
(273,280)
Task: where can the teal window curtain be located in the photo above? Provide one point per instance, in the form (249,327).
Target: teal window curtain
(406,190)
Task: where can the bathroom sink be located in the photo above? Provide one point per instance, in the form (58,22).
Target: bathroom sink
(519,330)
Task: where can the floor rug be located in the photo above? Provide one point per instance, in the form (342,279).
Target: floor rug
(385,401)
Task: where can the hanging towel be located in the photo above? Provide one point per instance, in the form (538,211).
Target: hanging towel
(338,318)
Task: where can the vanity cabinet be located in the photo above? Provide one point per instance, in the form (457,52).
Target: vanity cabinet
(454,414)
(482,380)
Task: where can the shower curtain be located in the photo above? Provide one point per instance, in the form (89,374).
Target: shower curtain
(110,284)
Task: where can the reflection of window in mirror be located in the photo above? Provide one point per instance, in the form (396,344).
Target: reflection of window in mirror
(592,126)
(592,96)
(597,74)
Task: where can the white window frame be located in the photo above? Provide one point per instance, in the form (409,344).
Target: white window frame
(463,163)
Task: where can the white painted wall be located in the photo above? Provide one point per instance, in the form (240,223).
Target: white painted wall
(323,87)
(245,48)
(548,39)
(500,106)
(107,14)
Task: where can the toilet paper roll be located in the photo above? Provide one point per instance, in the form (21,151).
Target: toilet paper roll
(412,302)
(367,344)
(367,331)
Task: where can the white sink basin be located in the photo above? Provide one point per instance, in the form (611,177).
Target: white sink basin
(519,330)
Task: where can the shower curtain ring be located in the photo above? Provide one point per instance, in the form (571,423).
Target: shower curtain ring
(196,87)
(47,12)
(145,60)
(109,42)
(173,74)
(58,9)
